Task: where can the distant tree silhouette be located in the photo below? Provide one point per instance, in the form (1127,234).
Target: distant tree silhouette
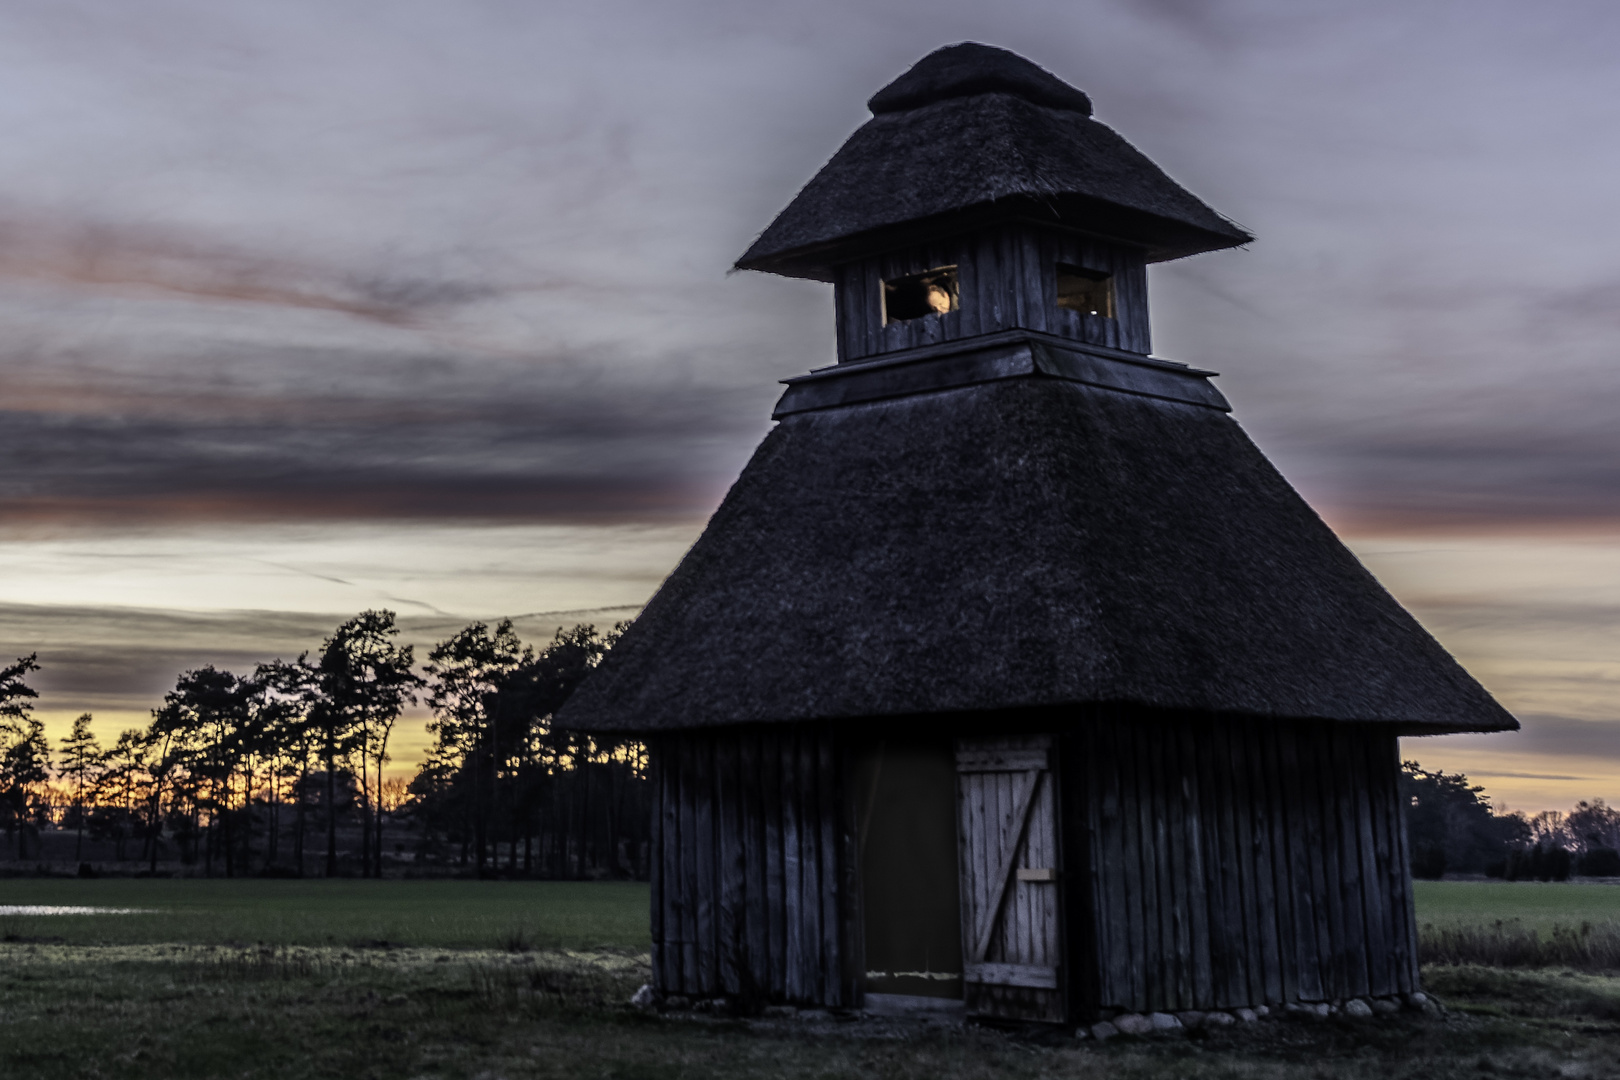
(119,786)
(467,675)
(225,756)
(209,728)
(25,756)
(1593,826)
(81,764)
(365,682)
(499,770)
(290,693)
(1451,825)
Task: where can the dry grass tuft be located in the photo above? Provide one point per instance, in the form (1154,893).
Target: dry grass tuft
(1511,944)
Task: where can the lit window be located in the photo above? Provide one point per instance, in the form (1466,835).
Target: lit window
(932,292)
(1090,292)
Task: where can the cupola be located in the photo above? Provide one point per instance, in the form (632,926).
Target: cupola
(982,198)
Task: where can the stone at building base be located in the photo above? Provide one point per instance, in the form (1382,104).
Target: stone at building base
(1164,1022)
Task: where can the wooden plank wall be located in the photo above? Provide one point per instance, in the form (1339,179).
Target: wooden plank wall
(1242,862)
(752,868)
(1006,280)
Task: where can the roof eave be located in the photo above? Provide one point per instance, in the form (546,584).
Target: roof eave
(1161,239)
(1403,728)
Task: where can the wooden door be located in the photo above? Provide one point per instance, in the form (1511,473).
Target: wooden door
(1011,923)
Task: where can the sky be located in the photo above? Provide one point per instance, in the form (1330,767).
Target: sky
(317,306)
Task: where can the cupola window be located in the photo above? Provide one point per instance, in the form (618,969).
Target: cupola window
(1090,292)
(932,292)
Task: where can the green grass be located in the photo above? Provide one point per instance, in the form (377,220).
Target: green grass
(1534,904)
(274,979)
(495,914)
(1522,924)
(427,914)
(188,1013)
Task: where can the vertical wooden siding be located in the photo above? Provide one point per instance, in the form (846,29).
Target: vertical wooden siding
(1242,862)
(750,881)
(1007,280)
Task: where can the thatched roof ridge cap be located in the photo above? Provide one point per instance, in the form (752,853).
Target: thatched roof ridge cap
(970,68)
(963,158)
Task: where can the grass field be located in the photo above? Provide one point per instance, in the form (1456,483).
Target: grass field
(352,913)
(1535,904)
(188,1013)
(550,914)
(509,980)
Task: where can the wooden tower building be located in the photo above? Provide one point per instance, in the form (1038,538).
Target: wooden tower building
(1010,671)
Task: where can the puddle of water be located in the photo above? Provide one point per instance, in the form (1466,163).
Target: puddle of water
(55,909)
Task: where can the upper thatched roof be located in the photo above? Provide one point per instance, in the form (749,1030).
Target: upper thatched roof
(1025,541)
(972,133)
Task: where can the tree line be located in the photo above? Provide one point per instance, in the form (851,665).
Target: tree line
(246,773)
(1452,826)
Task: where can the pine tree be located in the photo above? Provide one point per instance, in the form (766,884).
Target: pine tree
(25,755)
(82,759)
(365,682)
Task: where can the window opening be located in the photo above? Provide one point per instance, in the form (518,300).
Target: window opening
(1090,292)
(932,292)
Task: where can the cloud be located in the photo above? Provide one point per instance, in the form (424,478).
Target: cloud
(258,429)
(568,459)
(1544,737)
(1569,737)
(293,218)
(124,256)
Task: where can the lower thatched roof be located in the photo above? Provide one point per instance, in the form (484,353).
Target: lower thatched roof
(1023,542)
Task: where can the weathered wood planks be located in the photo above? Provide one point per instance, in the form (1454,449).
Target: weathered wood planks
(1162,861)
(1242,861)
(748,894)
(1006,278)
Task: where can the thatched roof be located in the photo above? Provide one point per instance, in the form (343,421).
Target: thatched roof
(973,134)
(1028,540)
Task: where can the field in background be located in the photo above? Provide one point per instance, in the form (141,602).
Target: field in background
(349,913)
(1533,904)
(552,914)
